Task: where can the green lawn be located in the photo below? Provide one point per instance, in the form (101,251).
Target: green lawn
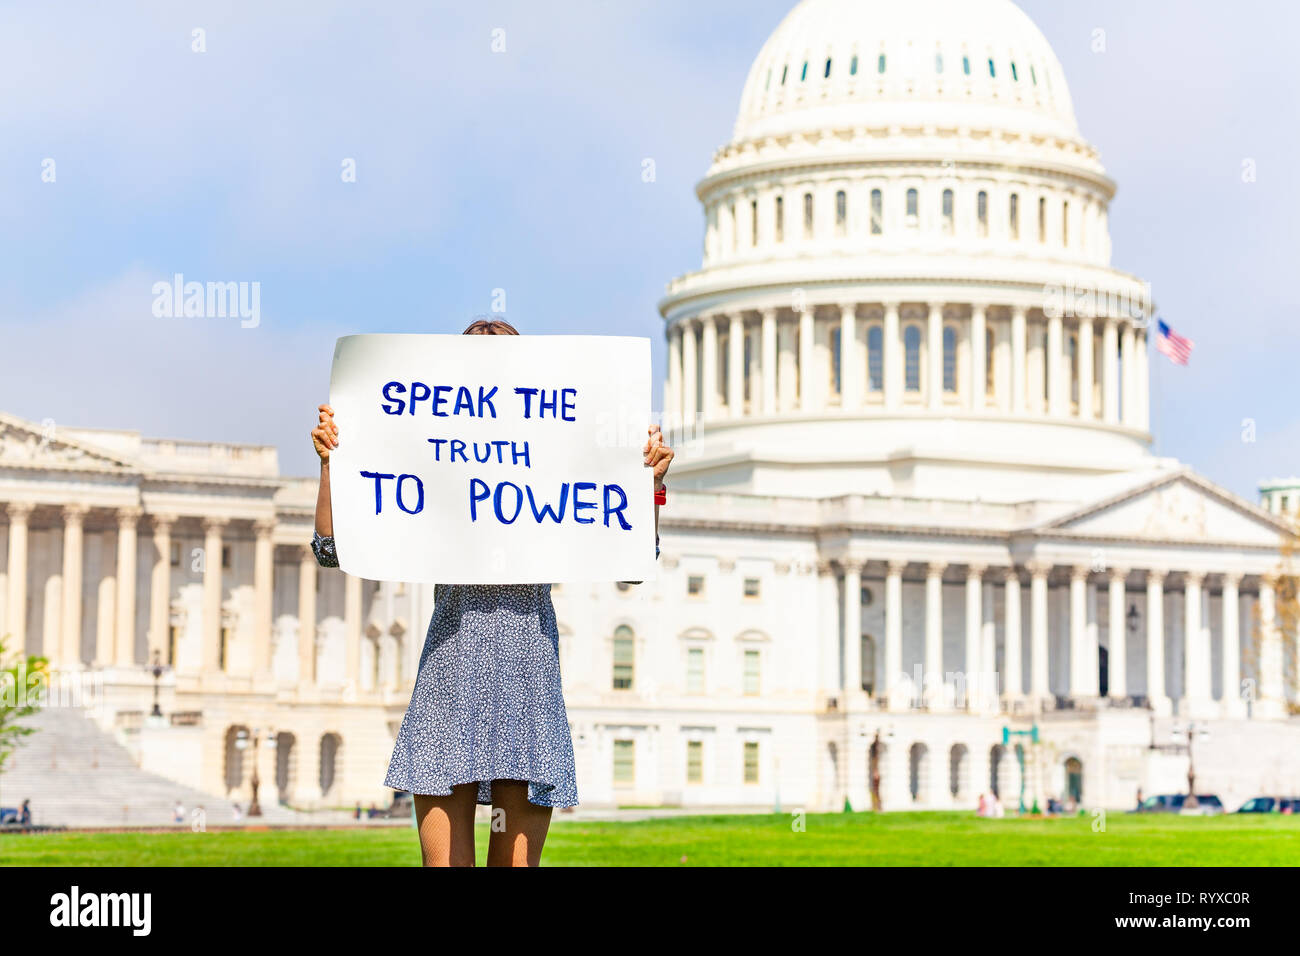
(921,839)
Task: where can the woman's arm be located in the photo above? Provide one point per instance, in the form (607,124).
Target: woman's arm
(325,437)
(659,456)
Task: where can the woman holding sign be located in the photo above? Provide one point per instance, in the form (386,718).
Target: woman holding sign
(486,722)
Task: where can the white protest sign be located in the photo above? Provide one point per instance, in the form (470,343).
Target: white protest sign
(492,459)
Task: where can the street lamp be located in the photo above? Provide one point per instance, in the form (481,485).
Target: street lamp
(1192,731)
(255,808)
(157,671)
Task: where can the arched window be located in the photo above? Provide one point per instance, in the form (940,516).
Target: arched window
(912,358)
(1042,219)
(624,657)
(982,213)
(947,212)
(875,359)
(780,219)
(958,770)
(989,384)
(853,66)
(877,212)
(913,204)
(835,359)
(1013,215)
(949,359)
(807,215)
(841,213)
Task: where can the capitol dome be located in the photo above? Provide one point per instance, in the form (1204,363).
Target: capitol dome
(906,285)
(888,63)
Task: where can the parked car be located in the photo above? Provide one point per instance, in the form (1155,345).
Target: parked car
(1207,804)
(402,805)
(1271,805)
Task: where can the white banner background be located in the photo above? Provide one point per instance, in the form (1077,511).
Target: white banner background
(610,408)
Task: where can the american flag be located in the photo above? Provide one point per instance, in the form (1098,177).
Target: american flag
(1172,344)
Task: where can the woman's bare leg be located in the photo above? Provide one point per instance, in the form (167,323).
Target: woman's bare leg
(518,827)
(446,826)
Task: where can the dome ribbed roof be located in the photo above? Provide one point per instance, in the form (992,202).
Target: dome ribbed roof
(905,63)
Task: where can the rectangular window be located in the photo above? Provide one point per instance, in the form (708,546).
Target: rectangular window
(751,587)
(753,222)
(694,761)
(780,219)
(877,212)
(875,359)
(1013,216)
(695,670)
(624,762)
(751,761)
(695,585)
(807,215)
(751,686)
(1065,224)
(982,213)
(835,360)
(841,213)
(947,212)
(1042,219)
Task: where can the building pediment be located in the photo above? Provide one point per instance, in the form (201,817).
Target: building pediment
(1182,507)
(27,445)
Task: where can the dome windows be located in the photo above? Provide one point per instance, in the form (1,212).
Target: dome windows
(841,213)
(938,63)
(912,358)
(880,63)
(807,215)
(785,71)
(827,74)
(1013,215)
(1042,219)
(1015,76)
(965,65)
(913,205)
(803,74)
(875,359)
(947,212)
(853,65)
(949,359)
(877,212)
(993,74)
(753,222)
(780,219)
(1033,76)
(1065,223)
(982,213)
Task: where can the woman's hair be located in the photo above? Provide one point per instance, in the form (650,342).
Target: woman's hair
(486,326)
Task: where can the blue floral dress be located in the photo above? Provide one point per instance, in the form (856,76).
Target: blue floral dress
(487,703)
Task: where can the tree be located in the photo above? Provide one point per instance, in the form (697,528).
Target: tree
(1286,590)
(23,682)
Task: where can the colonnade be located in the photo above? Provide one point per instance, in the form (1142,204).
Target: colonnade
(891,356)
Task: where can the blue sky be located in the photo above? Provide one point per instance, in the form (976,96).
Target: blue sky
(521,171)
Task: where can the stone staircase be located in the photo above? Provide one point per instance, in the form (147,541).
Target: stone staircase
(77,775)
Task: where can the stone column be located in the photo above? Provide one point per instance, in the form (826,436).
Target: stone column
(1036,371)
(673,384)
(736,365)
(213,591)
(933,676)
(1197,700)
(74,517)
(1233,705)
(1141,373)
(709,360)
(1039,674)
(852,630)
(850,398)
(105,624)
(1087,375)
(1128,402)
(1117,634)
(1156,693)
(306,616)
(1110,372)
(160,588)
(974,659)
(808,387)
(127,523)
(690,374)
(769,360)
(1057,393)
(1083,650)
(828,630)
(1270,703)
(1013,685)
(978,378)
(263,594)
(20,513)
(352,630)
(892,359)
(1019,359)
(934,358)
(894,635)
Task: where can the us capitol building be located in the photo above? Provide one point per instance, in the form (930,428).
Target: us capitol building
(914,512)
